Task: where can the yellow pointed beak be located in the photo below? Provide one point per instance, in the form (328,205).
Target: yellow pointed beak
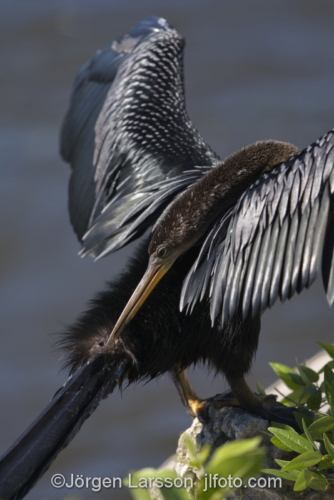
(149,281)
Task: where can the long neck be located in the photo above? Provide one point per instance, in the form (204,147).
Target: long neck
(224,184)
(191,214)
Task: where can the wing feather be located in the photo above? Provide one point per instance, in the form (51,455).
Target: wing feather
(278,233)
(126,130)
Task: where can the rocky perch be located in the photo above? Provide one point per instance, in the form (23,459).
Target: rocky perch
(229,424)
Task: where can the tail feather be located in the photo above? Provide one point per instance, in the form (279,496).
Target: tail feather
(34,451)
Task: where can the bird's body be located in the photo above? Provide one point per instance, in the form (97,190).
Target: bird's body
(228,239)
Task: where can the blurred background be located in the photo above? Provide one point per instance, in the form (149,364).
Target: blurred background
(254,70)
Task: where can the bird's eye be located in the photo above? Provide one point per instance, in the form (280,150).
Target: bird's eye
(161,252)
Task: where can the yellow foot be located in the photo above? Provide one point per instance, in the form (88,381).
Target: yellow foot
(199,407)
(196,406)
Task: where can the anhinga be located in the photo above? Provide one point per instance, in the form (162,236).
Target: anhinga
(229,238)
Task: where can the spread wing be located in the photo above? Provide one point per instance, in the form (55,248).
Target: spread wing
(271,242)
(127,129)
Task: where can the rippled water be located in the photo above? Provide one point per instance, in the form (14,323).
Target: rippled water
(254,70)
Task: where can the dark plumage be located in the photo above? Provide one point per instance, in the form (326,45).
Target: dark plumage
(229,238)
(127,128)
(159,339)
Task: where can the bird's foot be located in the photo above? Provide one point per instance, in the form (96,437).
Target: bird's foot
(196,407)
(200,407)
(268,408)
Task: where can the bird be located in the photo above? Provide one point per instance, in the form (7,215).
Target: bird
(261,220)
(226,239)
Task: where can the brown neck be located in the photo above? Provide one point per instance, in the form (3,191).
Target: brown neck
(189,216)
(226,182)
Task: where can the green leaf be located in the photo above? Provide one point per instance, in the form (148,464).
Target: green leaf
(175,493)
(329,387)
(327,462)
(242,459)
(290,476)
(303,461)
(312,375)
(288,375)
(133,480)
(260,388)
(279,425)
(234,449)
(329,446)
(329,374)
(236,458)
(308,435)
(203,455)
(190,445)
(307,416)
(276,442)
(298,396)
(292,439)
(314,399)
(281,463)
(303,480)
(138,481)
(320,426)
(307,374)
(328,347)
(318,482)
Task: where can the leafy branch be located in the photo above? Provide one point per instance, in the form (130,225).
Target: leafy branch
(314,446)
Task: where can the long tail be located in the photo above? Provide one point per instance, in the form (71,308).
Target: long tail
(31,455)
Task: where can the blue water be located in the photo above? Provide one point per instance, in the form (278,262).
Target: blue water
(254,70)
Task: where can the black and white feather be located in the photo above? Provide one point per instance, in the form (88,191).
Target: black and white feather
(126,129)
(271,243)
